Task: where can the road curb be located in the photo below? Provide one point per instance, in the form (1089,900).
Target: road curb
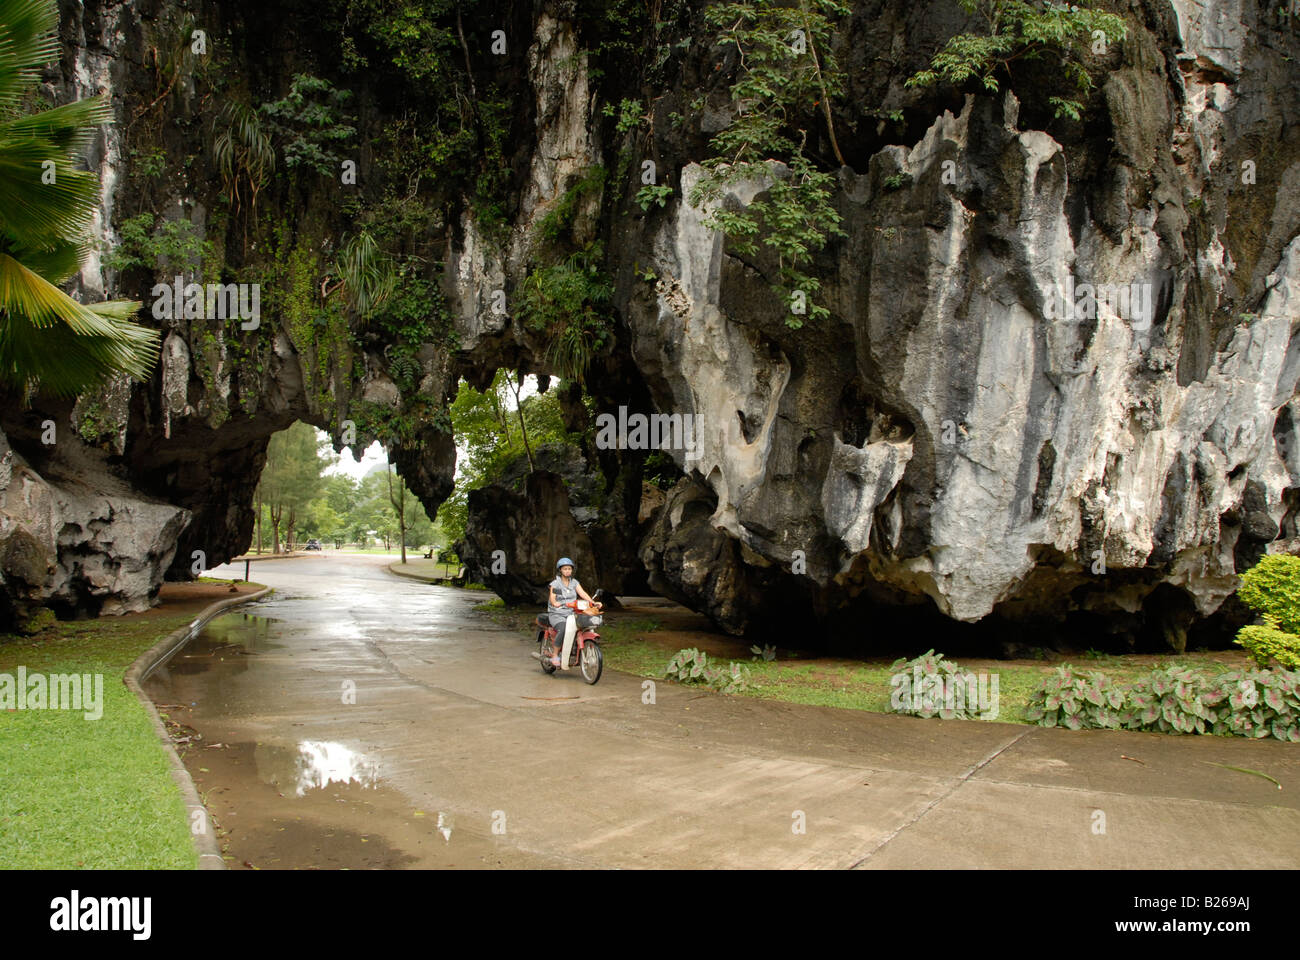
(205,842)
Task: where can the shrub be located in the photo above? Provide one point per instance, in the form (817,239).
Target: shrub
(1171,700)
(1266,643)
(567,301)
(1272,588)
(157,244)
(693,666)
(653,194)
(1254,703)
(311,124)
(931,686)
(1069,700)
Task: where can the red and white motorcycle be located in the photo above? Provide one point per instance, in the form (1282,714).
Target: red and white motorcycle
(585,651)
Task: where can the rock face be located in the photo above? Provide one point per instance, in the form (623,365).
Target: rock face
(1058,375)
(966,438)
(78,542)
(513,537)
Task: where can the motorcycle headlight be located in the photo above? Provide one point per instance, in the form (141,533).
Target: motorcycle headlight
(596,621)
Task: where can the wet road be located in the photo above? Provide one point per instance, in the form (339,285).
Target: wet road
(358,719)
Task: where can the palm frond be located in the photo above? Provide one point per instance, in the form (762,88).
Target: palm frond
(27,294)
(37,214)
(27,42)
(55,264)
(46,337)
(68,128)
(65,363)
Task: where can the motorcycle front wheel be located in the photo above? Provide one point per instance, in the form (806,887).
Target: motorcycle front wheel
(591,662)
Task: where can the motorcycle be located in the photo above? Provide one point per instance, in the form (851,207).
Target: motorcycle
(585,654)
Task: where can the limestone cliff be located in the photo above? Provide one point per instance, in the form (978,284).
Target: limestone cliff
(945,440)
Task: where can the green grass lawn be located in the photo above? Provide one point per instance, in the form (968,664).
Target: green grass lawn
(426,568)
(89,793)
(630,645)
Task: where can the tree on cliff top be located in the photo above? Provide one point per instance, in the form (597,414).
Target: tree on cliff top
(1016,30)
(786,77)
(47,339)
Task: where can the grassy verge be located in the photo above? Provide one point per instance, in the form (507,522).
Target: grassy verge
(425,568)
(632,645)
(81,793)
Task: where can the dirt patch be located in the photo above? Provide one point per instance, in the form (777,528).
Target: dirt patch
(175,599)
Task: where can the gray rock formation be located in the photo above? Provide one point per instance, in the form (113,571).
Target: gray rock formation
(950,437)
(75,539)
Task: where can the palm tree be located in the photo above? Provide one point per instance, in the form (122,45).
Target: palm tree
(47,339)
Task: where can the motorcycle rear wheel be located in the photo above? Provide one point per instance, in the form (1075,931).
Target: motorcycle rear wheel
(547,666)
(591,661)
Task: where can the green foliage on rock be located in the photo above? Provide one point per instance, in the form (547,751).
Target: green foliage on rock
(787,72)
(242,147)
(366,274)
(556,225)
(310,124)
(158,245)
(568,301)
(1018,30)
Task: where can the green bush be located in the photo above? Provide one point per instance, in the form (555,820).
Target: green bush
(1015,30)
(653,194)
(310,123)
(171,245)
(693,666)
(1267,643)
(1272,588)
(1254,703)
(568,302)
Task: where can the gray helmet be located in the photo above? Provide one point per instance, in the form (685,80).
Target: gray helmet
(563,562)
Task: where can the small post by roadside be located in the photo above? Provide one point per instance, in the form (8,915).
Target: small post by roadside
(246,571)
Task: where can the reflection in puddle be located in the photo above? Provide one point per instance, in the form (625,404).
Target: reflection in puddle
(315,764)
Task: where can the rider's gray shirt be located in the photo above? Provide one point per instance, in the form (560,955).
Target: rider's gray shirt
(564,595)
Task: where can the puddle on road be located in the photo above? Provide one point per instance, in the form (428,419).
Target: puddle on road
(226,638)
(283,791)
(312,765)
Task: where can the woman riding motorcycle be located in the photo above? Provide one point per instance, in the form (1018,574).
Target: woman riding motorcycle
(565,589)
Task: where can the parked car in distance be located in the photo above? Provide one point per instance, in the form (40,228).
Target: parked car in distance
(312,545)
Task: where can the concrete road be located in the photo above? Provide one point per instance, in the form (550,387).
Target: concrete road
(359,719)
